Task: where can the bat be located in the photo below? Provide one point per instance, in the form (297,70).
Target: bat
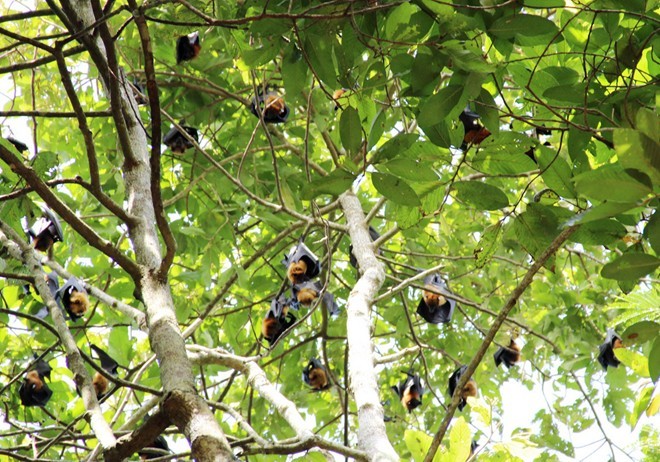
(277,320)
(509,355)
(141,97)
(187,47)
(606,355)
(410,391)
(20,146)
(351,258)
(45,231)
(109,365)
(475,133)
(315,375)
(33,390)
(53,286)
(158,443)
(470,388)
(178,143)
(74,298)
(338,94)
(301,264)
(433,307)
(307,291)
(271,105)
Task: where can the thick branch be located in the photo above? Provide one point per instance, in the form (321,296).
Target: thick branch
(372,437)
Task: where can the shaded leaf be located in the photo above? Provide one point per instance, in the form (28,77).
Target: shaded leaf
(481,195)
(395,189)
(630,266)
(350,130)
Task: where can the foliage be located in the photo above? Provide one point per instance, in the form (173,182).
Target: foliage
(582,72)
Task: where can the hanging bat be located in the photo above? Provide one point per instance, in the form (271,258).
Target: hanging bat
(271,105)
(74,298)
(606,355)
(306,292)
(33,390)
(158,443)
(338,94)
(351,258)
(316,376)
(509,356)
(410,391)
(433,307)
(277,320)
(301,264)
(20,146)
(109,365)
(188,47)
(45,231)
(178,143)
(475,133)
(470,388)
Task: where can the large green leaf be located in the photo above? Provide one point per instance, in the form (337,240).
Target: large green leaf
(337,182)
(395,189)
(610,183)
(654,360)
(350,130)
(395,146)
(640,332)
(527,25)
(481,195)
(447,104)
(630,266)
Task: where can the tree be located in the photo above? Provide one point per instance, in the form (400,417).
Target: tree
(542,221)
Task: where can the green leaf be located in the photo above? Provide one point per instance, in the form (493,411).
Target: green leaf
(640,332)
(527,25)
(635,361)
(636,150)
(599,232)
(335,183)
(610,182)
(488,244)
(395,189)
(641,404)
(407,22)
(600,211)
(630,266)
(447,104)
(652,231)
(410,169)
(460,438)
(481,195)
(571,94)
(350,130)
(544,3)
(319,52)
(394,146)
(654,360)
(556,172)
(535,229)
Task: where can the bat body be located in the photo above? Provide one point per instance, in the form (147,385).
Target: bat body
(509,356)
(301,263)
(338,94)
(308,291)
(475,133)
(606,356)
(434,307)
(108,364)
(272,106)
(158,443)
(188,47)
(34,391)
(277,320)
(45,231)
(410,391)
(470,388)
(74,298)
(316,376)
(20,146)
(178,143)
